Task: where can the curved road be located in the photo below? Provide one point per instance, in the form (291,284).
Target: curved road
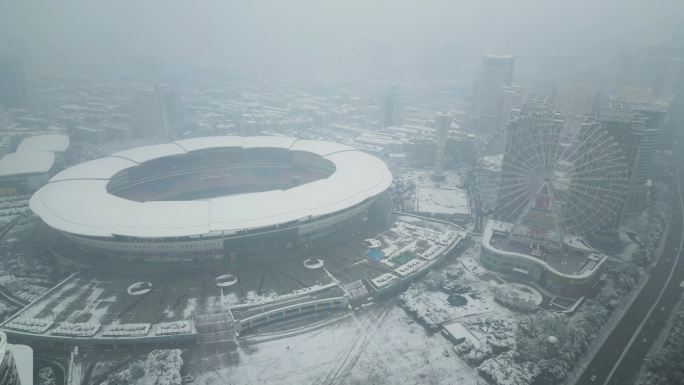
(621,356)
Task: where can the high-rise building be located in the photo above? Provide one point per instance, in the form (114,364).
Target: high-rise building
(173,102)
(442,126)
(496,73)
(638,142)
(655,68)
(149,117)
(392,109)
(653,109)
(513,98)
(537,104)
(576,98)
(13,91)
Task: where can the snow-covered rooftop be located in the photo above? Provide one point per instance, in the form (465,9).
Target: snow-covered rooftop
(26,163)
(77,201)
(561,265)
(154,151)
(48,142)
(103,168)
(459,332)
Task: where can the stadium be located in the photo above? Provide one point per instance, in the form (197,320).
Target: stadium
(211,197)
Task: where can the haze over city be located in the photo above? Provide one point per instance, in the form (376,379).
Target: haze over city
(358,192)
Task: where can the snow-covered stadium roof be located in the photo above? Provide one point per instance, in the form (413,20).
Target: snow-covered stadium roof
(77,201)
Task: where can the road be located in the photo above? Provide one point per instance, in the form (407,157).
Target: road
(475,201)
(619,359)
(9,297)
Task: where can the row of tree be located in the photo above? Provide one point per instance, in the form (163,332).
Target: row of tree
(665,366)
(547,345)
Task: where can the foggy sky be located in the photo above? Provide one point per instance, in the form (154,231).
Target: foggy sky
(110,34)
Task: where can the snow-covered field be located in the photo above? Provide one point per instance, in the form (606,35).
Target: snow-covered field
(159,367)
(442,201)
(380,345)
(452,179)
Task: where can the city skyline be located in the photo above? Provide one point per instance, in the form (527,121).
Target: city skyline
(387,192)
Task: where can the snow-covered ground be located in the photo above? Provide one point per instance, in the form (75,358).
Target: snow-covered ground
(452,179)
(491,327)
(446,197)
(442,201)
(159,367)
(432,306)
(11,207)
(429,302)
(380,345)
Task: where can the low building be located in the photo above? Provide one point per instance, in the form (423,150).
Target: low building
(96,136)
(570,271)
(55,143)
(457,333)
(26,171)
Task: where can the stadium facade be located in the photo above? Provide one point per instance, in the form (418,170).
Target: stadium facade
(210,197)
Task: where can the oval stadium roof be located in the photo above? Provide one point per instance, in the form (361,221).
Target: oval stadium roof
(77,201)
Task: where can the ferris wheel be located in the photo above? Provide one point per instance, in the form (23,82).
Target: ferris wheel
(559,176)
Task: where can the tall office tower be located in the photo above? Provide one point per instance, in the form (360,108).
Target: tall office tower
(656,68)
(392,109)
(653,109)
(496,72)
(173,102)
(576,98)
(149,117)
(513,98)
(13,91)
(9,375)
(442,125)
(537,104)
(638,142)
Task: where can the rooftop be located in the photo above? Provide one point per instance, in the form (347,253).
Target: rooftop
(77,201)
(26,163)
(572,261)
(47,142)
